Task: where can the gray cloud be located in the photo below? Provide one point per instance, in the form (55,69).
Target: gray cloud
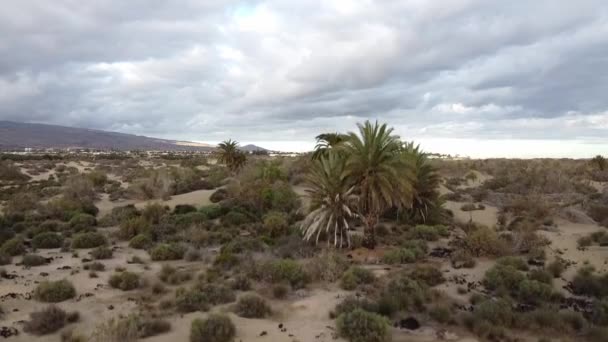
(275,70)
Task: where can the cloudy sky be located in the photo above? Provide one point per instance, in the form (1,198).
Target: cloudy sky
(475,77)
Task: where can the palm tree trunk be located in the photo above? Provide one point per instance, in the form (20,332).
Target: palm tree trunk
(369,231)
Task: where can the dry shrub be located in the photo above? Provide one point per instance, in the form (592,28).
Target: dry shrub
(483,241)
(54,291)
(216,328)
(49,320)
(327,266)
(252,306)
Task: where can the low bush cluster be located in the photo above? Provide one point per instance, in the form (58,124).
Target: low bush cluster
(101,253)
(47,240)
(31,260)
(282,271)
(54,291)
(252,306)
(125,281)
(356,276)
(363,326)
(88,240)
(164,252)
(49,320)
(215,328)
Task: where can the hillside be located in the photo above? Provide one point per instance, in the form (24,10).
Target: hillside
(20,135)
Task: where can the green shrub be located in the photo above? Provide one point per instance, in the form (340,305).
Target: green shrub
(182,209)
(327,266)
(515,262)
(48,320)
(217,293)
(147,327)
(534,292)
(47,240)
(243,244)
(241,283)
(31,260)
(429,275)
(94,266)
(216,328)
(599,315)
(356,276)
(125,281)
(399,256)
(352,303)
(497,312)
(483,241)
(132,227)
(428,233)
(101,253)
(218,195)
(141,241)
(82,222)
(88,240)
(441,314)
(363,326)
(541,275)
(13,247)
(587,283)
(503,278)
(276,224)
(403,293)
(212,211)
(252,306)
(54,291)
(172,276)
(191,300)
(164,252)
(283,270)
(235,218)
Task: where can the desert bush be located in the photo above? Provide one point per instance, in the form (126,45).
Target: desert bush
(119,215)
(599,313)
(252,306)
(212,211)
(587,283)
(88,240)
(483,241)
(101,253)
(557,267)
(243,244)
(544,276)
(170,275)
(13,247)
(350,304)
(115,330)
(31,260)
(280,291)
(356,276)
(226,260)
(132,227)
(534,292)
(5,259)
(503,278)
(216,293)
(327,266)
(404,255)
(215,328)
(190,301)
(283,270)
(192,254)
(515,262)
(441,313)
(95,266)
(181,209)
(235,218)
(403,293)
(54,291)
(429,275)
(489,315)
(164,252)
(125,281)
(82,222)
(276,224)
(147,327)
(49,320)
(241,283)
(462,258)
(363,326)
(584,241)
(218,195)
(141,241)
(47,240)
(428,233)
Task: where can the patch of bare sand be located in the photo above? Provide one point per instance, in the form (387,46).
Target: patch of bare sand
(195,198)
(478,181)
(486,217)
(564,244)
(443,190)
(301,192)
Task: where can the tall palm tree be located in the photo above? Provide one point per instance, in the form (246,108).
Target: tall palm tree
(332,201)
(376,168)
(230,155)
(425,181)
(326,142)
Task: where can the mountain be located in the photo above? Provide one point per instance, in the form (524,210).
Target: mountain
(253,148)
(14,135)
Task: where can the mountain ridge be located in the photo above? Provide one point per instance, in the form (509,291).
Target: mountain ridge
(17,135)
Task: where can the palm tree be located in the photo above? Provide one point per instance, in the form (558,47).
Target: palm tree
(599,162)
(332,201)
(425,181)
(326,142)
(230,155)
(376,168)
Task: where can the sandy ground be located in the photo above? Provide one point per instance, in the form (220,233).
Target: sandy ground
(196,198)
(487,217)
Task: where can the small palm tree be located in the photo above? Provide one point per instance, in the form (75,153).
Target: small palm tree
(599,162)
(332,201)
(327,142)
(379,173)
(230,155)
(425,181)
